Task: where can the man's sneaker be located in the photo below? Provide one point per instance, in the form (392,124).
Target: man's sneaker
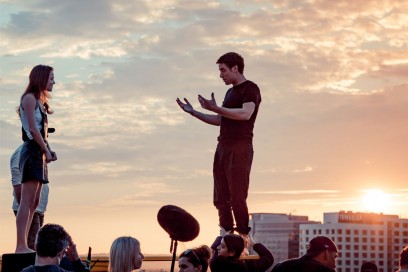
(224,232)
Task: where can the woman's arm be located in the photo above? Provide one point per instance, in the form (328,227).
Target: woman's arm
(53,154)
(265,260)
(214,247)
(29,102)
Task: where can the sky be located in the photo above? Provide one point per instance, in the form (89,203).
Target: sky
(332,124)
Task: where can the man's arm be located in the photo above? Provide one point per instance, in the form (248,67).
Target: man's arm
(73,256)
(212,119)
(243,113)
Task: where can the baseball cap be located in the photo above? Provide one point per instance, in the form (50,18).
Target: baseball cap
(404,256)
(320,243)
(368,267)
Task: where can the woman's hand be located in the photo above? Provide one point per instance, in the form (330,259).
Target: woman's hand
(48,156)
(54,155)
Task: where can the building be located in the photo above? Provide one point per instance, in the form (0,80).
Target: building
(360,237)
(278,232)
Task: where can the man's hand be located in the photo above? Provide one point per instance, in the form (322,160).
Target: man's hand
(187,107)
(208,104)
(72,253)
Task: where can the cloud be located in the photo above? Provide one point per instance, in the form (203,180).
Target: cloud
(147,194)
(86,50)
(306,169)
(102,168)
(300,192)
(331,74)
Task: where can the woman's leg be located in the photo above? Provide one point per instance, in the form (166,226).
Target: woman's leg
(33,207)
(30,192)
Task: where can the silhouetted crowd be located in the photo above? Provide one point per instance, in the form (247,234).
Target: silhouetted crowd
(56,252)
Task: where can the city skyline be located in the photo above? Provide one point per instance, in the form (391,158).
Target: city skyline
(359,237)
(330,132)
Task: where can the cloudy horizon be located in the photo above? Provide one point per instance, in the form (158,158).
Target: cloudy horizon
(331,125)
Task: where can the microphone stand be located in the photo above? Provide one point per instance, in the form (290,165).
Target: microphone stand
(174,253)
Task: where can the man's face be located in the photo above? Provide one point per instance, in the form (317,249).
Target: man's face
(227,74)
(331,259)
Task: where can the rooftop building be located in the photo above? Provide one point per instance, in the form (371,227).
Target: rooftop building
(278,232)
(360,237)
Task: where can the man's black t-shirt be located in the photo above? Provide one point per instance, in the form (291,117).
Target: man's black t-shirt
(234,131)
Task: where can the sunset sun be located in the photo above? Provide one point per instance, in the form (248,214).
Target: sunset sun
(375,200)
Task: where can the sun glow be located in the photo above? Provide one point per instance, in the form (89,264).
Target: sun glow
(375,200)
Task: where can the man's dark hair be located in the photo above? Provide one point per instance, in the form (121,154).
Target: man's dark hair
(51,239)
(404,256)
(231,59)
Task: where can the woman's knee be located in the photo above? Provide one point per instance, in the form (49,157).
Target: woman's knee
(29,203)
(35,204)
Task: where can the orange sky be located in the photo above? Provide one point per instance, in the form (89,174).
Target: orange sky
(332,122)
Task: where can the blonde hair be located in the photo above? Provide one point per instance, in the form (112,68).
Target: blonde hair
(124,254)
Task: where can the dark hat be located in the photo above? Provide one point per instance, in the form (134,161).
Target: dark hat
(404,256)
(320,243)
(368,267)
(179,224)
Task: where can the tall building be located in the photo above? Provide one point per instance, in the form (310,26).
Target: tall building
(278,232)
(360,237)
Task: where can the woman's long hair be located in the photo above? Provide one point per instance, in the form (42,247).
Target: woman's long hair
(124,254)
(37,85)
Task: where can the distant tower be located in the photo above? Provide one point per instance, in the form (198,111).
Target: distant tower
(278,232)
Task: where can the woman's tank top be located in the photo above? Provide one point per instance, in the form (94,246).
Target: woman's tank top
(38,122)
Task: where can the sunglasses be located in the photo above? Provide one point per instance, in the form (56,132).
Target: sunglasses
(188,251)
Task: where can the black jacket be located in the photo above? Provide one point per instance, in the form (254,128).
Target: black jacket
(302,264)
(229,264)
(65,265)
(264,262)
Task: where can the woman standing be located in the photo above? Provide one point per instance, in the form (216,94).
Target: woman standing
(35,152)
